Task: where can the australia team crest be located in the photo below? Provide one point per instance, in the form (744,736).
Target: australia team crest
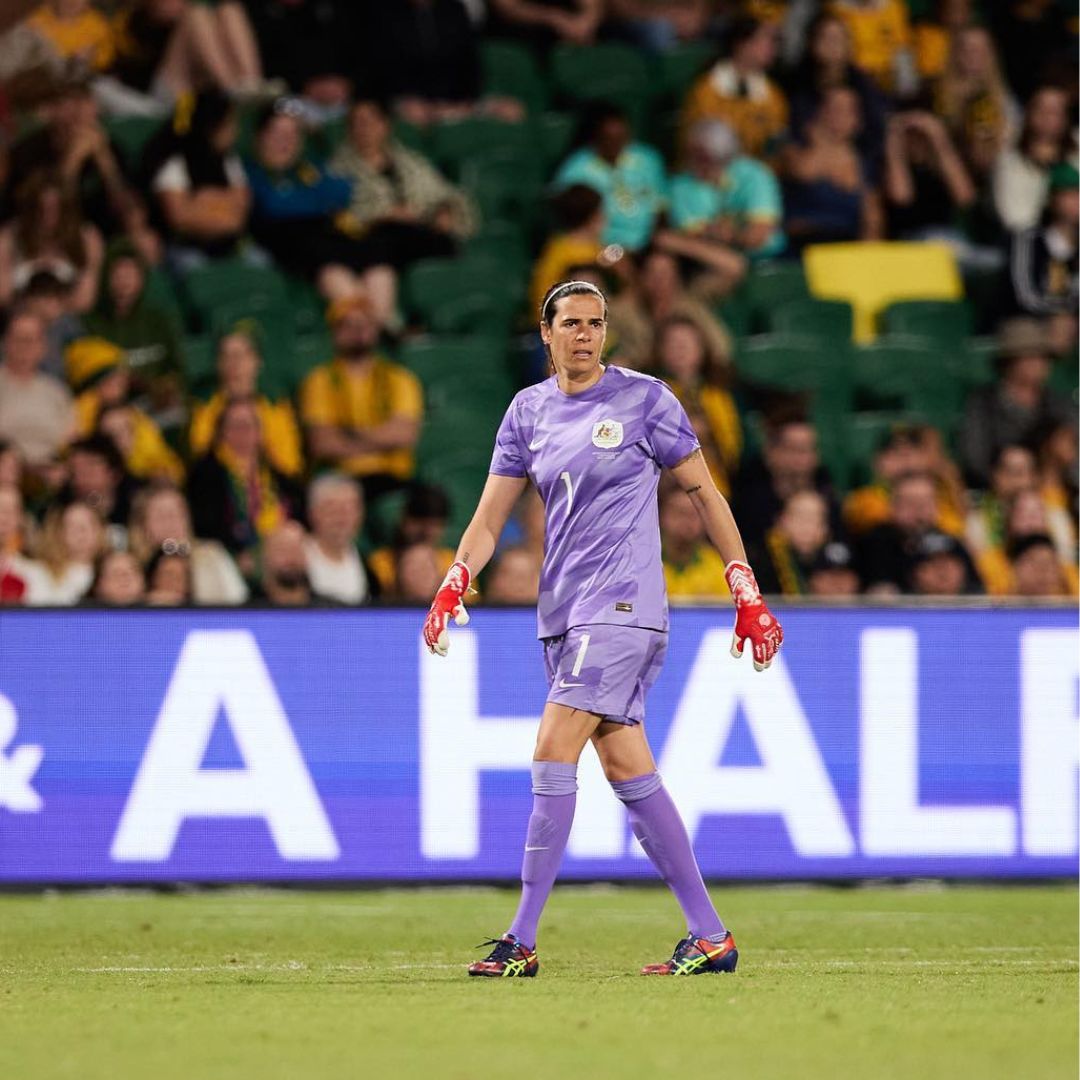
(607,434)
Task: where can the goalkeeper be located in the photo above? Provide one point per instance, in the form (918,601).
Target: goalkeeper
(593,440)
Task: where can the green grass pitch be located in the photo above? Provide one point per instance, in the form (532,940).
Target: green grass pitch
(963,983)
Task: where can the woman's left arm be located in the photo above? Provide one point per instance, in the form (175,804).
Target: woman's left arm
(754,622)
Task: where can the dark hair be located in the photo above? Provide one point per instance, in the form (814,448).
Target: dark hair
(43,283)
(427,501)
(742,30)
(575,205)
(713,368)
(282,106)
(1067,141)
(190,134)
(593,117)
(564,289)
(99,568)
(1023,544)
(100,446)
(159,556)
(227,406)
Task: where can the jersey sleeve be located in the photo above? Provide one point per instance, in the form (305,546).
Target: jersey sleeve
(508,460)
(668,429)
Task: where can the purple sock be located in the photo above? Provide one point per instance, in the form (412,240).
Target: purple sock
(656,823)
(554,798)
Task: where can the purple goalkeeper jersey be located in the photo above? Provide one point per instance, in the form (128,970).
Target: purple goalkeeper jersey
(595,458)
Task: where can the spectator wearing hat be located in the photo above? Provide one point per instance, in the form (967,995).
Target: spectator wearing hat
(147,333)
(1037,571)
(832,573)
(1043,259)
(692,566)
(724,195)
(630,175)
(237,497)
(97,370)
(36,413)
(884,554)
(941,566)
(738,90)
(907,448)
(238,366)
(161,521)
(335,568)
(361,412)
(424,518)
(1015,405)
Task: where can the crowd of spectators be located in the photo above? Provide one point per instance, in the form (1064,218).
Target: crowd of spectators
(284,133)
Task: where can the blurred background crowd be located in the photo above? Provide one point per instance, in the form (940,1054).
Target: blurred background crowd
(270,272)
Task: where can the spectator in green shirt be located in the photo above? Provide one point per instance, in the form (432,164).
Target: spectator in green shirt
(629,175)
(146,332)
(727,196)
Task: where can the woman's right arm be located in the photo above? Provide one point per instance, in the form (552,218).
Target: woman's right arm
(478,542)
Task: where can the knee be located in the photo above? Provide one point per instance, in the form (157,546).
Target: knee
(635,788)
(554,777)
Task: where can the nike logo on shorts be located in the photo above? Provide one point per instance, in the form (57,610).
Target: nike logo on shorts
(527,848)
(564,685)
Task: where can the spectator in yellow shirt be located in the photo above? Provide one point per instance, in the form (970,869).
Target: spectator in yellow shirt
(580,220)
(238,365)
(739,91)
(881,37)
(692,567)
(76,31)
(361,412)
(97,370)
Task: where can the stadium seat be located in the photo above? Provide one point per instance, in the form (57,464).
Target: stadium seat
(681,65)
(510,70)
(871,276)
(200,368)
(767,287)
(502,241)
(828,321)
(554,133)
(606,72)
(217,283)
(910,376)
(131,134)
(466,294)
(505,185)
(459,372)
(942,321)
(864,434)
(455,144)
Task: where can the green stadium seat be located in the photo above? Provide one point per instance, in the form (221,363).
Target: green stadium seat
(200,365)
(510,70)
(607,72)
(680,66)
(501,241)
(864,433)
(131,134)
(554,132)
(829,321)
(455,144)
(909,376)
(466,294)
(218,283)
(771,284)
(461,376)
(505,185)
(944,321)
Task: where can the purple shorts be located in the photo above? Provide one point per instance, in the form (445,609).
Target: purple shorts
(604,669)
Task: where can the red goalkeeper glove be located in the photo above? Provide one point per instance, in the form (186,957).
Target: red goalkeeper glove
(753,620)
(449,601)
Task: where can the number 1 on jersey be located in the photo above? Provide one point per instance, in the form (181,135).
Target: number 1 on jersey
(565,477)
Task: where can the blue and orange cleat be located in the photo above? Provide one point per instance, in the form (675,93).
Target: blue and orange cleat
(510,959)
(698,956)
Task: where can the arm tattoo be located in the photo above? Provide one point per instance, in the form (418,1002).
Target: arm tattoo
(465,557)
(690,491)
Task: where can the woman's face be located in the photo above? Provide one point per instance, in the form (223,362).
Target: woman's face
(280,143)
(1048,114)
(682,352)
(805,520)
(368,127)
(171,582)
(224,137)
(240,431)
(974,54)
(238,365)
(80,533)
(166,518)
(831,45)
(576,334)
(121,580)
(839,114)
